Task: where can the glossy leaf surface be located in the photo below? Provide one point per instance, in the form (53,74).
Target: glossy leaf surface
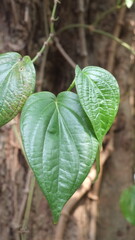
(127,204)
(59,143)
(99,96)
(17,82)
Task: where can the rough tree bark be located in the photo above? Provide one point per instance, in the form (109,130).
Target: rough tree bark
(23,28)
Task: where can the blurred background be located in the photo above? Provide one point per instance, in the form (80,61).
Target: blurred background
(93,213)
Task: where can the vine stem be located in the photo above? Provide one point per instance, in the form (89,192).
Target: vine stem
(113,44)
(17,135)
(64,53)
(107,12)
(81,32)
(30,192)
(98,31)
(27,209)
(46,43)
(53,16)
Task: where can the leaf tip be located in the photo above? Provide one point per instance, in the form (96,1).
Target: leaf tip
(77,70)
(56,217)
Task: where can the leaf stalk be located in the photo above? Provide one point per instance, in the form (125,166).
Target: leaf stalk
(72,85)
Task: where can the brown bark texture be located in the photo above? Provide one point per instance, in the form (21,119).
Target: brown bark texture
(24,26)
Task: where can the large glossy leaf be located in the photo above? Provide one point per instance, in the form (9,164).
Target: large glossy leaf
(17,82)
(59,143)
(127,204)
(99,96)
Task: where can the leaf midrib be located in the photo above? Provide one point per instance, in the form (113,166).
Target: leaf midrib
(68,130)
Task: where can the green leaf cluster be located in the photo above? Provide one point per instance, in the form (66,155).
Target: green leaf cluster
(61,134)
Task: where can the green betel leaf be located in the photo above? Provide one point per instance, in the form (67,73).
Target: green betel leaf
(59,143)
(129,3)
(17,82)
(127,204)
(99,96)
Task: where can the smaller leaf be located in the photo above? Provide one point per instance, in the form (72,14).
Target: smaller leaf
(127,204)
(98,92)
(17,82)
(129,3)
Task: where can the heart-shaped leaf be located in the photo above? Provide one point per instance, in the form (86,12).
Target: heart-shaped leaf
(17,82)
(59,143)
(127,204)
(99,96)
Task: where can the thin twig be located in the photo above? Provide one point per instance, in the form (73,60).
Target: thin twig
(46,43)
(15,15)
(43,48)
(24,228)
(25,195)
(18,137)
(118,40)
(83,44)
(53,19)
(26,190)
(45,10)
(44,59)
(14,223)
(98,31)
(107,12)
(95,192)
(17,223)
(113,44)
(42,71)
(63,53)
